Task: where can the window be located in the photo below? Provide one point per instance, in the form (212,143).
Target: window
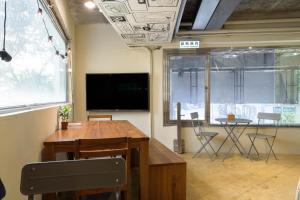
(241,81)
(36,75)
(186,80)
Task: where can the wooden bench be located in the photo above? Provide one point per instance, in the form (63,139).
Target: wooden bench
(167,173)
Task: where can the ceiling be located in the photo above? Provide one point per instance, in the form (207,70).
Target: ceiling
(266,9)
(247,10)
(82,15)
(140,22)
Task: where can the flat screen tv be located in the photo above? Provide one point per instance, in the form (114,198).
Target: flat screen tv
(128,91)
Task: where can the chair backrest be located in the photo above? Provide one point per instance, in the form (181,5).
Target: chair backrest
(85,148)
(99,117)
(269,116)
(297,196)
(2,190)
(274,117)
(197,127)
(72,175)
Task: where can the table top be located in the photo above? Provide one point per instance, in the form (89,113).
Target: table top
(161,155)
(235,121)
(97,130)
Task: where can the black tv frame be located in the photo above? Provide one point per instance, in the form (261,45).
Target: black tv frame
(118,110)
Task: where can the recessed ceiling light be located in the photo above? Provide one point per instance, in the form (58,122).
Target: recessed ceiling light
(89,4)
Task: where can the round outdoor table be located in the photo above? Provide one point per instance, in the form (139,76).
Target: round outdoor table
(229,126)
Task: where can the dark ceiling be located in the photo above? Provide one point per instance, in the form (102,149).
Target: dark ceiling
(247,10)
(190,11)
(266,9)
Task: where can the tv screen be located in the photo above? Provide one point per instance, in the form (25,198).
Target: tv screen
(117,91)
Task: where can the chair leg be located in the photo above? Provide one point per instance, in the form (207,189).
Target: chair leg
(222,145)
(118,195)
(202,147)
(271,150)
(252,145)
(208,143)
(212,147)
(77,196)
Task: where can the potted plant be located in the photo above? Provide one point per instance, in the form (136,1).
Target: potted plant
(64,112)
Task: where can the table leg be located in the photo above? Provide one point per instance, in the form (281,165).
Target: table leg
(222,144)
(236,142)
(144,170)
(234,139)
(229,131)
(238,137)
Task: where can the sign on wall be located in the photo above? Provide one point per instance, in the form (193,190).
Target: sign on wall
(189,44)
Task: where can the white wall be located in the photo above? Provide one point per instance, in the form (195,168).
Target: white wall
(22,134)
(100,50)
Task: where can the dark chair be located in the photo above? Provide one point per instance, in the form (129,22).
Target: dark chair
(2,190)
(72,175)
(99,117)
(91,148)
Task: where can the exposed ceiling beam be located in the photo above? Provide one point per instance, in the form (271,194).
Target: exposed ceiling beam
(223,11)
(212,14)
(181,9)
(205,12)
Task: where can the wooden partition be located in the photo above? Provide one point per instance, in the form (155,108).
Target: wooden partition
(167,173)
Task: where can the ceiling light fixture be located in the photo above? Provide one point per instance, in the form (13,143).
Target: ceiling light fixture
(90,4)
(40,12)
(4,54)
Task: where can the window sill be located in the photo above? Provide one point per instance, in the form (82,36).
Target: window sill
(188,124)
(26,109)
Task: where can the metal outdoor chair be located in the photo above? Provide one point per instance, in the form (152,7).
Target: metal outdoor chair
(203,136)
(72,175)
(269,138)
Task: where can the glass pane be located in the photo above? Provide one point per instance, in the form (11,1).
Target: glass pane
(187,85)
(245,82)
(36,74)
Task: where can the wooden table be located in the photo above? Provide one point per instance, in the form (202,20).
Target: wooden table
(63,141)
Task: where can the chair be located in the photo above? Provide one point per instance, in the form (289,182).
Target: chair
(269,138)
(297,196)
(99,117)
(2,190)
(90,148)
(202,136)
(72,175)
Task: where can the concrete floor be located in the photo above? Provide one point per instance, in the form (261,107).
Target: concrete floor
(238,178)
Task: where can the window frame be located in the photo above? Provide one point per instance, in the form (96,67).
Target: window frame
(167,53)
(57,25)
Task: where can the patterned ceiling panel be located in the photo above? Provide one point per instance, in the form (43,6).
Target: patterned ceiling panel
(142,22)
